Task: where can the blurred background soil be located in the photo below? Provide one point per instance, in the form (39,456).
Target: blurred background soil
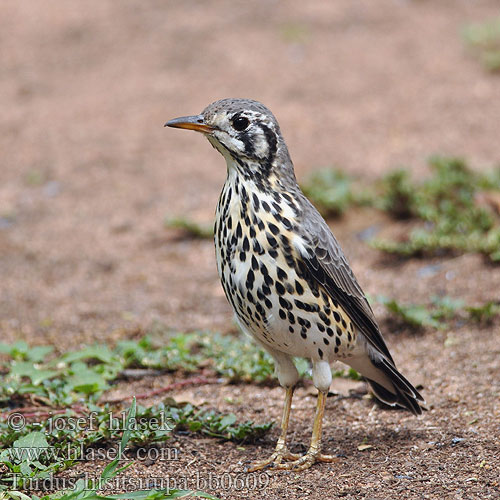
(88,175)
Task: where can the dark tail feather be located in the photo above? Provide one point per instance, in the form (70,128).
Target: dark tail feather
(405,394)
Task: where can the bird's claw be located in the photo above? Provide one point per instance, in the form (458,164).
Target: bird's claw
(275,460)
(305,461)
(283,459)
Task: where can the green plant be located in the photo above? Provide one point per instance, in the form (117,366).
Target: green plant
(483,39)
(440,312)
(447,204)
(190,227)
(398,198)
(331,191)
(84,489)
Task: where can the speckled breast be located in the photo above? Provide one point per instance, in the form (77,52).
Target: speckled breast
(265,281)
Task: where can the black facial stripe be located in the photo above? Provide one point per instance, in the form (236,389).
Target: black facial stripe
(247,141)
(272,143)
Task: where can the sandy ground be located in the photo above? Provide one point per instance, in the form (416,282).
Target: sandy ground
(89,174)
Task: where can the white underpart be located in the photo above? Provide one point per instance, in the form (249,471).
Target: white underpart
(284,367)
(300,245)
(322,375)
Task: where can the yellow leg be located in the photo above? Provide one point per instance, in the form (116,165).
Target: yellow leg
(281,453)
(314,454)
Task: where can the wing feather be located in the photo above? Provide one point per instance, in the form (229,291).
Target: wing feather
(328,265)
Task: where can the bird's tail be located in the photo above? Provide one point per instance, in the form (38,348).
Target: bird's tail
(390,386)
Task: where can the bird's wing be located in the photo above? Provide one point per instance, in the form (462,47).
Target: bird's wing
(327,264)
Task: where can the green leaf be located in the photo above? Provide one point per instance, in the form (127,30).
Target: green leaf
(31,446)
(192,228)
(111,469)
(99,352)
(28,369)
(227,420)
(195,426)
(39,352)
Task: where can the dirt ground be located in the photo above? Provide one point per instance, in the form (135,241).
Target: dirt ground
(89,174)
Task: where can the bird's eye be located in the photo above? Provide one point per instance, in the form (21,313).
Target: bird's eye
(240,123)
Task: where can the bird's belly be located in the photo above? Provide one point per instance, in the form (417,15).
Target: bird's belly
(275,302)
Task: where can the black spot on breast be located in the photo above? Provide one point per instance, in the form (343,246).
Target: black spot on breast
(250,279)
(285,303)
(326,341)
(271,240)
(291,318)
(304,322)
(320,352)
(273,228)
(329,331)
(299,288)
(336,315)
(282,275)
(265,206)
(299,304)
(246,244)
(255,264)
(256,202)
(285,242)
(288,225)
(280,289)
(257,248)
(290,260)
(282,314)
(324,318)
(239,231)
(268,280)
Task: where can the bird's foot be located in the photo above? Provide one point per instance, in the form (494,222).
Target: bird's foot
(275,459)
(305,461)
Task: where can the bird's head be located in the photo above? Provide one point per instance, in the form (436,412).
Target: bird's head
(246,133)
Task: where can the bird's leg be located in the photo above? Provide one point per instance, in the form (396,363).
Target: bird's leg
(314,454)
(281,452)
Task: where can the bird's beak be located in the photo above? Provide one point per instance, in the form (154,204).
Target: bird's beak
(191,123)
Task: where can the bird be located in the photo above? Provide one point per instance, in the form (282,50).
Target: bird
(285,275)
